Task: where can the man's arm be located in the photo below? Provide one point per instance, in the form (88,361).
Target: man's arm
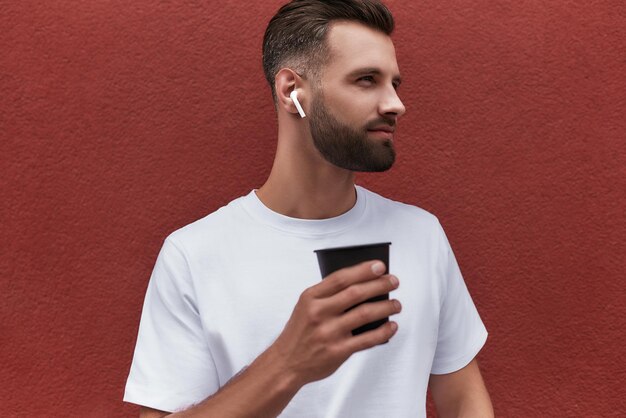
(461,394)
(262,387)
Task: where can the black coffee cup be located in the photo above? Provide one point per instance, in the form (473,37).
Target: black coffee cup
(333,259)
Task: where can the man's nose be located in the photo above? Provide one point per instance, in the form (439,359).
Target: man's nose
(391,103)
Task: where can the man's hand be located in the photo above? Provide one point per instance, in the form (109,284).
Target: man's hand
(317,339)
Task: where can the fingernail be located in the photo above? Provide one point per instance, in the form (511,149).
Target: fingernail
(394,327)
(394,281)
(378,268)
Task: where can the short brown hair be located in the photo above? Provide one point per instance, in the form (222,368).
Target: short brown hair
(296,35)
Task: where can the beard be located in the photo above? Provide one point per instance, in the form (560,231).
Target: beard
(349,147)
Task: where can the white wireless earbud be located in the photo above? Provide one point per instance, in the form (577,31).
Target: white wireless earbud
(294,97)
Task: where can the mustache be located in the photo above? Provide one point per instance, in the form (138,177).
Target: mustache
(382,121)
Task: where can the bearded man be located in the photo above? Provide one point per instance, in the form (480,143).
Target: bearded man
(236,321)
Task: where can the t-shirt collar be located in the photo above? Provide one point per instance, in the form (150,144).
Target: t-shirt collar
(253,205)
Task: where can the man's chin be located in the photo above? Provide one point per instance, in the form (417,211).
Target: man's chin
(378,169)
(376,166)
(370,166)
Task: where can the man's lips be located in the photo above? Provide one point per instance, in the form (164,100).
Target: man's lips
(383,131)
(389,129)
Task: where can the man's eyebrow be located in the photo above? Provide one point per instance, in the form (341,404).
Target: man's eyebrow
(373,70)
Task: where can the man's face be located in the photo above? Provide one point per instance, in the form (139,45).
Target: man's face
(354,113)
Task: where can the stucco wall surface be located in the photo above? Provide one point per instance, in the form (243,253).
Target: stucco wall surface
(122,121)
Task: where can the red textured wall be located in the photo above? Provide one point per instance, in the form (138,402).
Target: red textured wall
(122,121)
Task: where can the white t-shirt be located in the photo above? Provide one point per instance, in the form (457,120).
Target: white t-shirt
(224,286)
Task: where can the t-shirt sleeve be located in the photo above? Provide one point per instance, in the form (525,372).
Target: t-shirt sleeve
(172,367)
(461,332)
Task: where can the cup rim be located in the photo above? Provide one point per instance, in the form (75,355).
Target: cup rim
(352,247)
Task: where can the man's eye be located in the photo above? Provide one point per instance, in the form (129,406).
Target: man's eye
(367,78)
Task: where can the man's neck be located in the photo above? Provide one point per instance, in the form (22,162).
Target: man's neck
(304,185)
(310,198)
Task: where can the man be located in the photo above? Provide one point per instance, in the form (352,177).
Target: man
(236,321)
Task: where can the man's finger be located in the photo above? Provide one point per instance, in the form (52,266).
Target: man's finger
(367,313)
(371,338)
(343,278)
(360,292)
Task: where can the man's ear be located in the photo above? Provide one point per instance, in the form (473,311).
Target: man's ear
(287,81)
